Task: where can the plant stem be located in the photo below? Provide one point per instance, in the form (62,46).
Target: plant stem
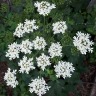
(44,23)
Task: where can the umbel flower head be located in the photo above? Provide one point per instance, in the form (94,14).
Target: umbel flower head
(59,27)
(13,51)
(83,43)
(30,25)
(64,69)
(38,86)
(19,31)
(10,78)
(26,46)
(27,27)
(43,61)
(26,65)
(44,7)
(55,50)
(39,43)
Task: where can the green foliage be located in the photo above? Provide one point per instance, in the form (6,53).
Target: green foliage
(29,8)
(4,7)
(2,90)
(78,19)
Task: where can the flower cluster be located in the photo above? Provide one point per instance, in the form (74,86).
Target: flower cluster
(26,46)
(55,50)
(27,27)
(26,65)
(39,43)
(82,42)
(10,78)
(13,51)
(38,86)
(19,31)
(64,69)
(43,61)
(44,7)
(59,27)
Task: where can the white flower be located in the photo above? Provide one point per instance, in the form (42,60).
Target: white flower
(29,26)
(19,31)
(64,69)
(44,7)
(55,50)
(39,43)
(13,51)
(59,27)
(43,61)
(26,46)
(26,65)
(38,86)
(10,78)
(83,43)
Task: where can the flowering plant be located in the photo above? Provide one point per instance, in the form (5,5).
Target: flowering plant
(40,52)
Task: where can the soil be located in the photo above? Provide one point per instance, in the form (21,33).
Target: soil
(87,81)
(87,86)
(3,69)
